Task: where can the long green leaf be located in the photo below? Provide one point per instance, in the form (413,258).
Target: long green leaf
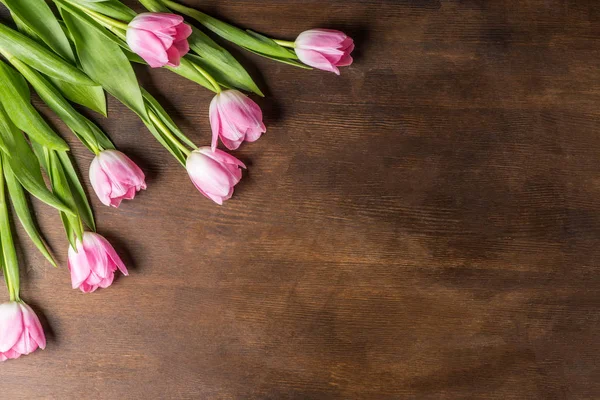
(91,97)
(21,207)
(79,195)
(79,124)
(25,164)
(233,34)
(15,97)
(217,61)
(165,118)
(104,61)
(39,18)
(39,57)
(10,262)
(62,190)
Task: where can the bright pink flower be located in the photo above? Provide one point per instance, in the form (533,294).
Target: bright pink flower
(214,173)
(159,38)
(325,49)
(115,177)
(235,117)
(20,330)
(94,263)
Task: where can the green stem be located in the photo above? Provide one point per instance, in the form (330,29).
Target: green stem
(285,43)
(103,19)
(161,126)
(208,77)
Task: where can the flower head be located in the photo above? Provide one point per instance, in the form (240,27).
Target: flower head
(21,332)
(94,263)
(159,38)
(214,173)
(115,177)
(325,49)
(234,117)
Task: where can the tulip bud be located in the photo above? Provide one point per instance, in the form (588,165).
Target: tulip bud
(324,49)
(21,332)
(214,173)
(115,177)
(94,263)
(159,38)
(234,117)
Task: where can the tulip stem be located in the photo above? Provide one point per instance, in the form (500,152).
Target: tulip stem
(208,77)
(101,18)
(285,43)
(167,132)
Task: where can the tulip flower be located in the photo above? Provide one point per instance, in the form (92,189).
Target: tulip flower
(115,177)
(159,38)
(214,173)
(324,49)
(20,330)
(94,263)
(234,117)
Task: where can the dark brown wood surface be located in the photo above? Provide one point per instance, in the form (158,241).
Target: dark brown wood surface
(426,226)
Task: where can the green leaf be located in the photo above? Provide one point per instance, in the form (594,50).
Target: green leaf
(39,57)
(165,118)
(249,41)
(38,17)
(15,97)
(111,8)
(220,64)
(79,124)
(91,97)
(79,195)
(104,61)
(10,263)
(214,59)
(25,164)
(21,207)
(62,190)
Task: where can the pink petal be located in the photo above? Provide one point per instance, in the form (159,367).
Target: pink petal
(100,182)
(221,156)
(183,31)
(11,325)
(33,326)
(316,39)
(174,57)
(155,21)
(148,46)
(316,60)
(110,252)
(78,265)
(208,174)
(215,122)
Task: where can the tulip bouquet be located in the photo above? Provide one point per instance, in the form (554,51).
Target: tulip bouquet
(73,52)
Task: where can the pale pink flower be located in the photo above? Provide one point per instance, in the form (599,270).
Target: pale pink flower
(234,117)
(21,332)
(94,263)
(214,173)
(159,38)
(324,49)
(115,177)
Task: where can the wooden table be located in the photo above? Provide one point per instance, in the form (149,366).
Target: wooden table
(426,226)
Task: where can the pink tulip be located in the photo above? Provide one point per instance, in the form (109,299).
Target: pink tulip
(20,330)
(94,263)
(115,177)
(214,173)
(325,49)
(159,38)
(235,117)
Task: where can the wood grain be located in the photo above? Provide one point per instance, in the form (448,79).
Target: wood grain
(425,226)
